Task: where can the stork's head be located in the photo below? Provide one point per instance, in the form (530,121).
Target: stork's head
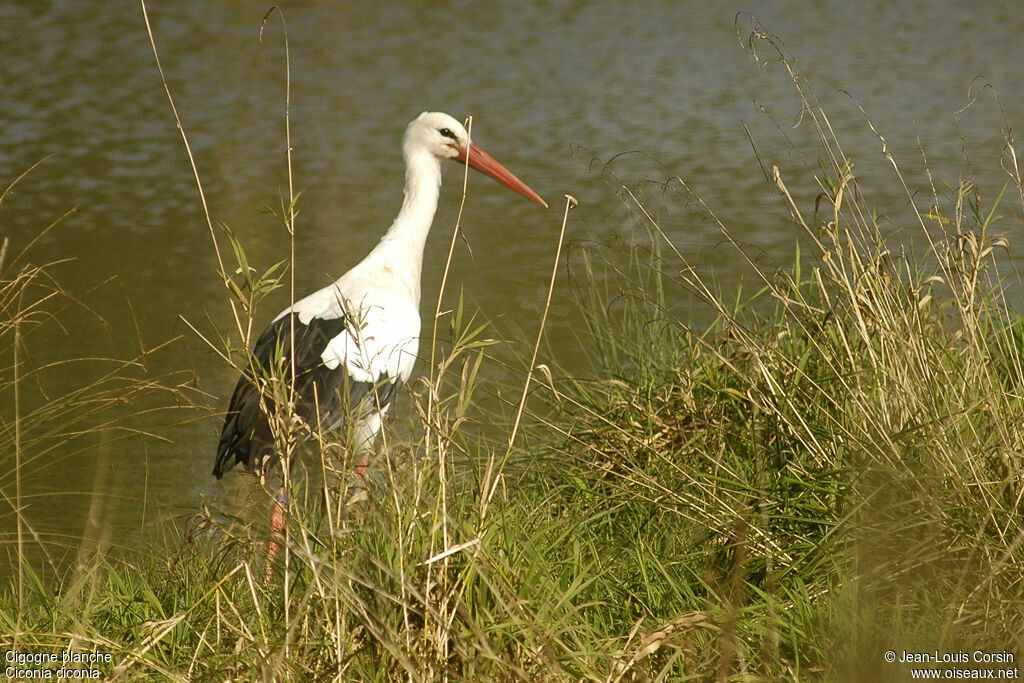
(445,138)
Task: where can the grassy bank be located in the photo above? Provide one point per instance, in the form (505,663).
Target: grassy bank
(829,470)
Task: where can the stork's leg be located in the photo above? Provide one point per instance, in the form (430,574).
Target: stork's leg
(358,489)
(278,515)
(366,435)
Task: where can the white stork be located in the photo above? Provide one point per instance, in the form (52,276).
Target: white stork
(356,339)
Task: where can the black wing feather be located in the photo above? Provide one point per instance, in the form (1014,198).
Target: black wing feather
(246,437)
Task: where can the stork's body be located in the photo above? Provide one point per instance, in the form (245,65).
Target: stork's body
(356,340)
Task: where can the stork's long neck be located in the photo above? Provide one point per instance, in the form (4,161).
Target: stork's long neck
(401,248)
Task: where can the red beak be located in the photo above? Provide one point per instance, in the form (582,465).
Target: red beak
(485,163)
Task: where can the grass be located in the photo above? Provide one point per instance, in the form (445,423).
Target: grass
(48,422)
(828,470)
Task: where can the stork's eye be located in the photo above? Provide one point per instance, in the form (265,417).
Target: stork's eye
(447,132)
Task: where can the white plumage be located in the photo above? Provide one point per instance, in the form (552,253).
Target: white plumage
(357,339)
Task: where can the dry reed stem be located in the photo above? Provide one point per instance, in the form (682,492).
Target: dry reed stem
(492,476)
(195,169)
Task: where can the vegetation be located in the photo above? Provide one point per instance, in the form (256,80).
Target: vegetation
(829,470)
